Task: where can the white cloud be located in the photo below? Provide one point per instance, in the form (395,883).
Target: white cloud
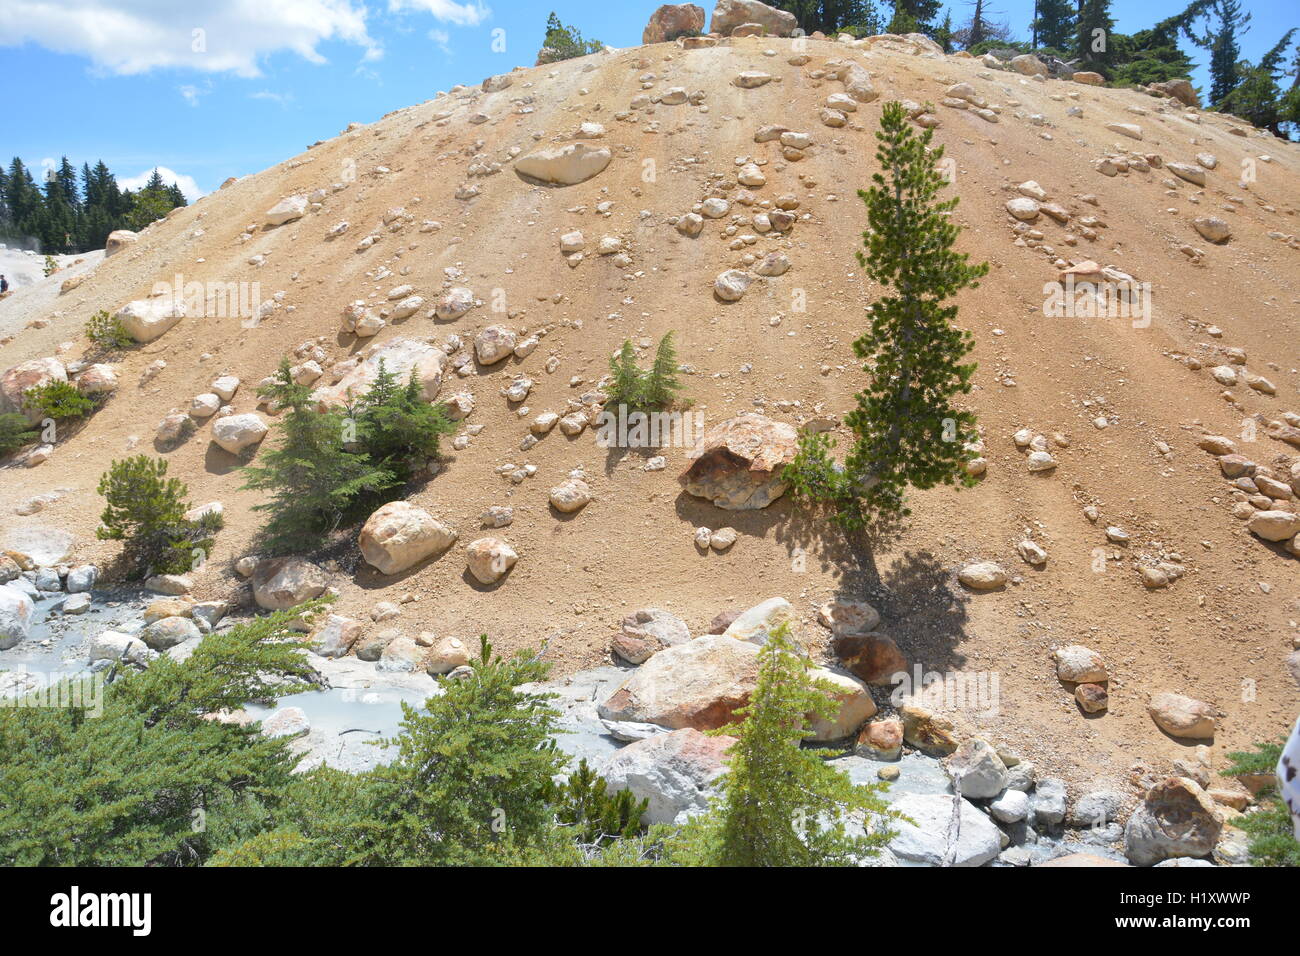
(443,39)
(212,36)
(284,99)
(191,93)
(461,14)
(189,188)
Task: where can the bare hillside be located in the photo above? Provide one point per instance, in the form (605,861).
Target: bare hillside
(436,187)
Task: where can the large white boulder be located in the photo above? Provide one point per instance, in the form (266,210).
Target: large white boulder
(564,165)
(16,612)
(929,837)
(676,772)
(282,583)
(400,356)
(399,536)
(234,433)
(286,210)
(30,374)
(146,319)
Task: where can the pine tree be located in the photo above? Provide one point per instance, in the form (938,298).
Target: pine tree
(146,510)
(628,379)
(1258,97)
(1222,39)
(15,432)
(396,428)
(473,770)
(594,816)
(314,481)
(1054,25)
(662,383)
(906,430)
(781,804)
(1091,46)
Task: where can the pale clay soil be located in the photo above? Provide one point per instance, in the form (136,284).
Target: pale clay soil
(632,547)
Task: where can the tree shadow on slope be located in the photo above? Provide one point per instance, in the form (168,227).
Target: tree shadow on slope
(920,604)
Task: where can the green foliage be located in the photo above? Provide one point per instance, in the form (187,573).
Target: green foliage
(782,804)
(907,433)
(150,781)
(1257,96)
(567,42)
(314,480)
(1272,836)
(49,267)
(106,331)
(57,400)
(641,390)
(15,432)
(396,428)
(1054,26)
(146,509)
(597,817)
(1093,48)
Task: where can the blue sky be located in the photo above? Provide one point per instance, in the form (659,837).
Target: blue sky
(132,82)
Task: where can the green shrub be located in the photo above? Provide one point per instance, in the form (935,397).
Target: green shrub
(107,332)
(782,804)
(50,266)
(655,389)
(314,481)
(1272,836)
(396,428)
(57,400)
(149,781)
(15,432)
(567,42)
(146,510)
(596,816)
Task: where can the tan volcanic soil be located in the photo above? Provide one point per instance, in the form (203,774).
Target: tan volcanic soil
(1207,635)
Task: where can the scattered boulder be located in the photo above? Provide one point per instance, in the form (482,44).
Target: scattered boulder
(646,632)
(976,770)
(1077,664)
(676,772)
(494,343)
(235,433)
(1213,229)
(118,240)
(757,624)
(399,536)
(16,613)
(564,165)
(1181,716)
(698,684)
(287,210)
(982,576)
(737,464)
(570,496)
(169,632)
(874,658)
(729,14)
(490,559)
(1274,525)
(927,838)
(671,21)
(1175,819)
(282,583)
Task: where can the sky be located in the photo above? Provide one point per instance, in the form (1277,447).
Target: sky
(206,89)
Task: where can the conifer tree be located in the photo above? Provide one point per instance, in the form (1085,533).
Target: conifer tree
(1223,40)
(626,386)
(781,804)
(906,430)
(1054,25)
(396,427)
(1091,46)
(662,383)
(313,479)
(146,510)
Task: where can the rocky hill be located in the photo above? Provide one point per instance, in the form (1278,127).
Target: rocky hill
(506,237)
